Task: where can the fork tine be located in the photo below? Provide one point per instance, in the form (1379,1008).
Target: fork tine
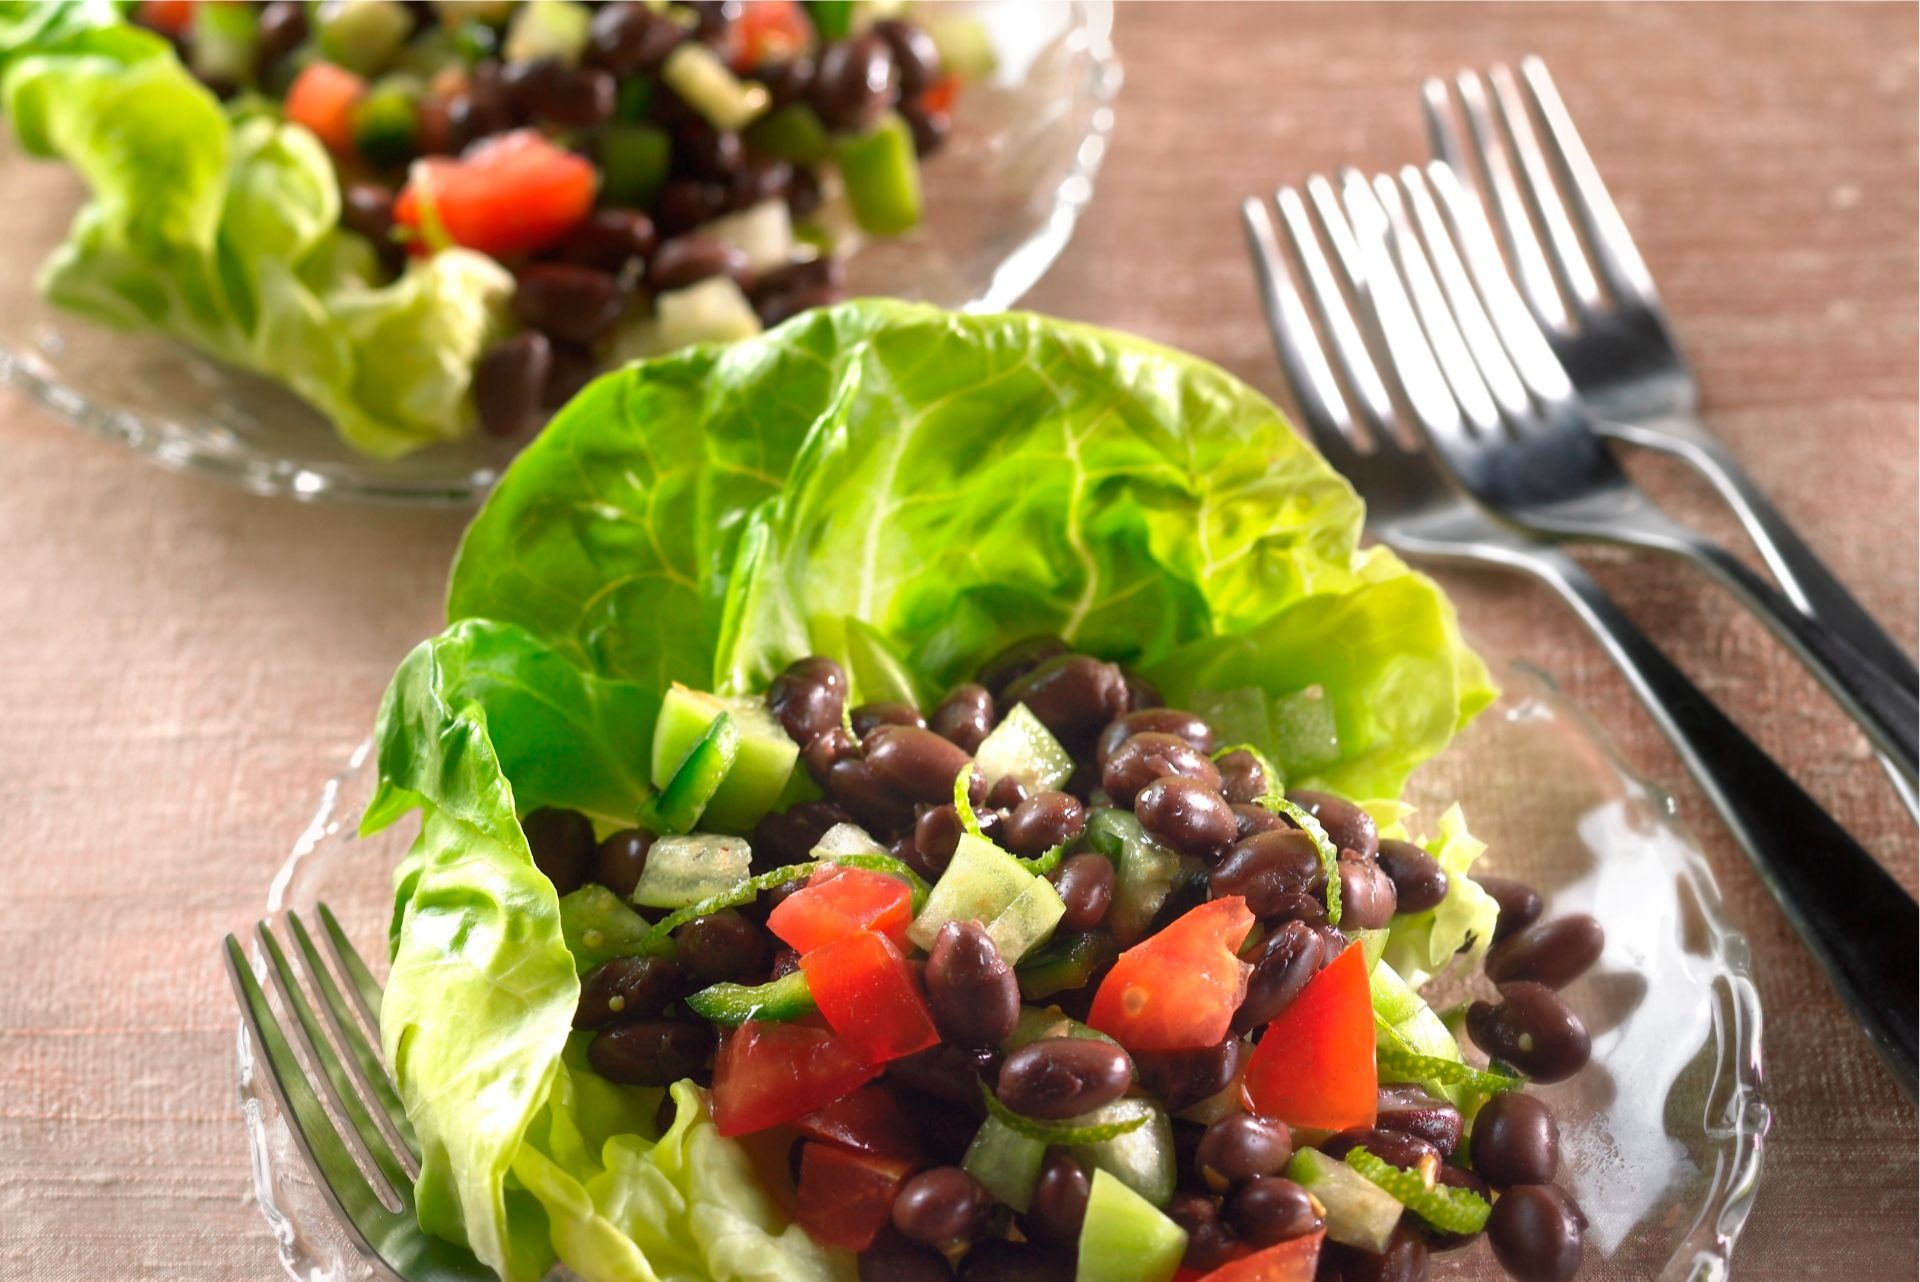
(1349,347)
(1569,255)
(1516,227)
(333,1075)
(1621,267)
(361,1058)
(340,1177)
(1443,135)
(365,988)
(1301,356)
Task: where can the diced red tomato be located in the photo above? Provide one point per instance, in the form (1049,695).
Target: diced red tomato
(323,97)
(1292,1261)
(170,16)
(938,97)
(867,1121)
(1178,989)
(838,902)
(509,195)
(865,989)
(769,1073)
(767,31)
(1314,1065)
(846,1198)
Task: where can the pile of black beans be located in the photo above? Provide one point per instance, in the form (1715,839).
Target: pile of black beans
(893,773)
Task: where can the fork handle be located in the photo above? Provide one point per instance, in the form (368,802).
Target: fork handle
(1861,925)
(1802,574)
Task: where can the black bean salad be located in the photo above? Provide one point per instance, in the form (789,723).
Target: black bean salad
(653,173)
(1047,983)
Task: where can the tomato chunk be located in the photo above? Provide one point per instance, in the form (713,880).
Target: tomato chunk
(171,16)
(1314,1065)
(323,97)
(509,195)
(838,902)
(1292,1261)
(846,1198)
(1178,989)
(938,96)
(769,1073)
(868,1121)
(767,31)
(865,989)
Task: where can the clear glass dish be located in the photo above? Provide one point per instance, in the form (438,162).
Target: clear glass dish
(1662,1136)
(1002,199)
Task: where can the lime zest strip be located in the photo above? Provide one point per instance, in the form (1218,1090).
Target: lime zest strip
(1039,865)
(1069,1132)
(1449,1209)
(1396,1064)
(1275,800)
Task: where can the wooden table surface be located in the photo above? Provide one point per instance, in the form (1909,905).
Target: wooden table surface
(181,665)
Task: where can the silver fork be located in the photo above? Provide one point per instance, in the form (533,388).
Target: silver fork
(365,1162)
(1859,923)
(1587,293)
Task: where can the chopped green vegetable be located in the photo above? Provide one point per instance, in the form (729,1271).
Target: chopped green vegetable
(598,928)
(226,41)
(1020,747)
(715,310)
(1038,1022)
(1110,1122)
(1359,1212)
(785,998)
(1068,962)
(549,29)
(882,176)
(753,775)
(1449,1209)
(1144,871)
(1005,1162)
(833,19)
(696,73)
(1329,855)
(691,869)
(984,883)
(963,802)
(1142,1158)
(1125,1238)
(793,133)
(966,49)
(635,160)
(679,805)
(363,35)
(1398,1065)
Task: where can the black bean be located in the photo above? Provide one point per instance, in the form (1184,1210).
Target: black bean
(1085,883)
(1520,905)
(806,273)
(1007,793)
(1249,819)
(283,25)
(509,381)
(701,151)
(787,81)
(629,988)
(1395,1148)
(619,860)
(1059,1205)
(1554,952)
(562,845)
(1016,660)
(804,196)
(1419,882)
(965,716)
(1515,1141)
(1349,827)
(892,1258)
(713,19)
(1270,1209)
(1187,816)
(573,368)
(1279,874)
(723,947)
(685,203)
(915,56)
(1172,721)
(1536,1233)
(1043,821)
(999,1260)
(1242,778)
(367,208)
(629,37)
(652,1052)
(971,989)
(789,836)
(1210,1243)
(930,128)
(854,82)
(609,239)
(1367,898)
(869,717)
(569,303)
(1241,1147)
(805,706)
(775,308)
(549,90)
(1073,695)
(1290,956)
(490,102)
(1533,1030)
(936,835)
(1182,1078)
(1151,755)
(1059,1077)
(1412,1111)
(920,765)
(869,798)
(947,1073)
(691,258)
(1403,1260)
(828,750)
(941,1207)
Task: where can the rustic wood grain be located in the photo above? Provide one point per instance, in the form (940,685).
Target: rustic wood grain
(182,665)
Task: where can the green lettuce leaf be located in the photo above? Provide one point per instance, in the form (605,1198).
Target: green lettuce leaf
(1459,930)
(220,230)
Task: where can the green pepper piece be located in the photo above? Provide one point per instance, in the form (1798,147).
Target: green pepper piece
(678,806)
(634,160)
(782,999)
(794,133)
(882,177)
(1069,962)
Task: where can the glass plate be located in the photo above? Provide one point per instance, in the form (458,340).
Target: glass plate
(1662,1137)
(1002,199)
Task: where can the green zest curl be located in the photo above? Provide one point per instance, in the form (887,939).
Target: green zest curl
(1449,1209)
(1398,1065)
(1134,1114)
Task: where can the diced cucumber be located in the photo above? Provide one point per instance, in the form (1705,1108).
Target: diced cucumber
(1407,1013)
(456,13)
(966,50)
(1144,871)
(386,123)
(1068,962)
(363,35)
(765,758)
(1021,748)
(1373,943)
(226,40)
(1243,715)
(548,29)
(696,73)
(1005,1162)
(686,870)
(794,133)
(846,839)
(1038,1022)
(713,311)
(1359,1212)
(1229,1099)
(598,927)
(634,162)
(763,232)
(1028,921)
(1125,1238)
(782,999)
(1304,732)
(678,806)
(984,883)
(1142,1159)
(882,175)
